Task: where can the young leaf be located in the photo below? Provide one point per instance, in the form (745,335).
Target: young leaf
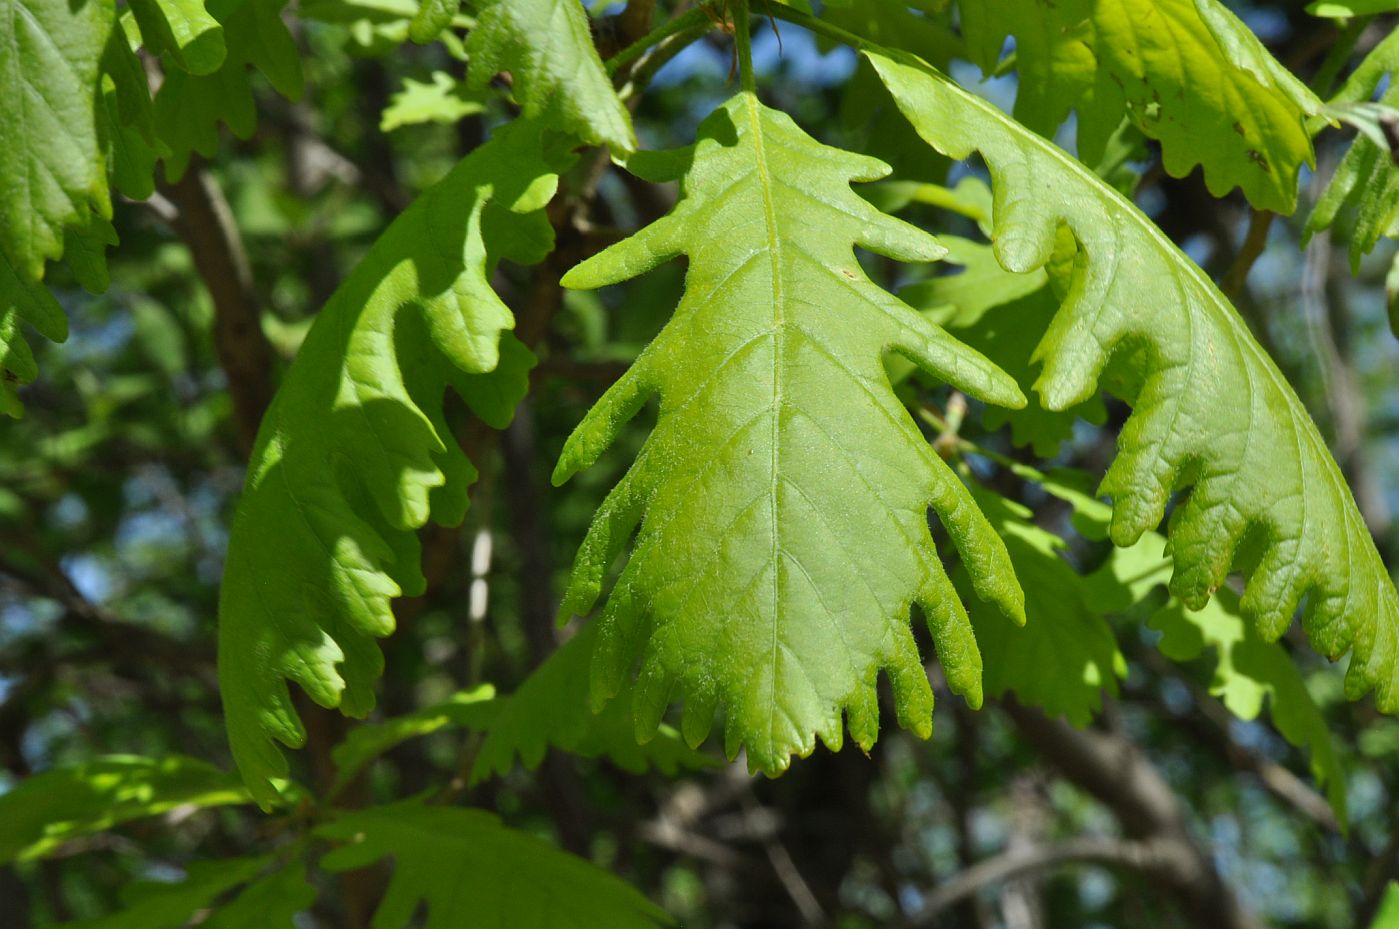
(1065,656)
(46,810)
(1345,9)
(1211,412)
(468,869)
(1248,670)
(551,708)
(547,47)
(1363,195)
(1187,72)
(189,107)
(783,495)
(445,100)
(355,454)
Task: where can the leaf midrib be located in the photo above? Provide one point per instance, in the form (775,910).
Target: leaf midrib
(752,107)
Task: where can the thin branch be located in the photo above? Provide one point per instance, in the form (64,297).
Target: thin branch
(1255,241)
(784,866)
(1141,855)
(205,222)
(1115,771)
(1214,731)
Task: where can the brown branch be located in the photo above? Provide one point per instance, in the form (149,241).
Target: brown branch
(1211,727)
(1255,241)
(1142,855)
(205,222)
(783,865)
(1116,772)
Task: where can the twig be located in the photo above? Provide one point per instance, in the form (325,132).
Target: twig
(1255,241)
(1279,781)
(205,222)
(785,868)
(1115,771)
(1123,853)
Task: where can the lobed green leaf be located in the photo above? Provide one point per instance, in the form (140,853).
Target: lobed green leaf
(183,31)
(1211,413)
(1362,197)
(783,495)
(356,454)
(558,78)
(1186,72)
(51,170)
(190,106)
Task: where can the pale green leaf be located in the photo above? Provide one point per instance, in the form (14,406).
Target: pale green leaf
(379,27)
(52,171)
(1249,672)
(379,12)
(467,868)
(783,494)
(45,810)
(190,107)
(1186,72)
(558,78)
(551,708)
(1211,413)
(355,453)
(445,100)
(183,31)
(1065,656)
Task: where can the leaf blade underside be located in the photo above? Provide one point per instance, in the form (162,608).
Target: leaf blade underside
(783,494)
(1211,412)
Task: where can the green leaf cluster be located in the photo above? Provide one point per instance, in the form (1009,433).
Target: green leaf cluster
(1214,423)
(1186,72)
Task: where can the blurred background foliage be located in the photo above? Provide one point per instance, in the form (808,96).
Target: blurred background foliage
(116,492)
